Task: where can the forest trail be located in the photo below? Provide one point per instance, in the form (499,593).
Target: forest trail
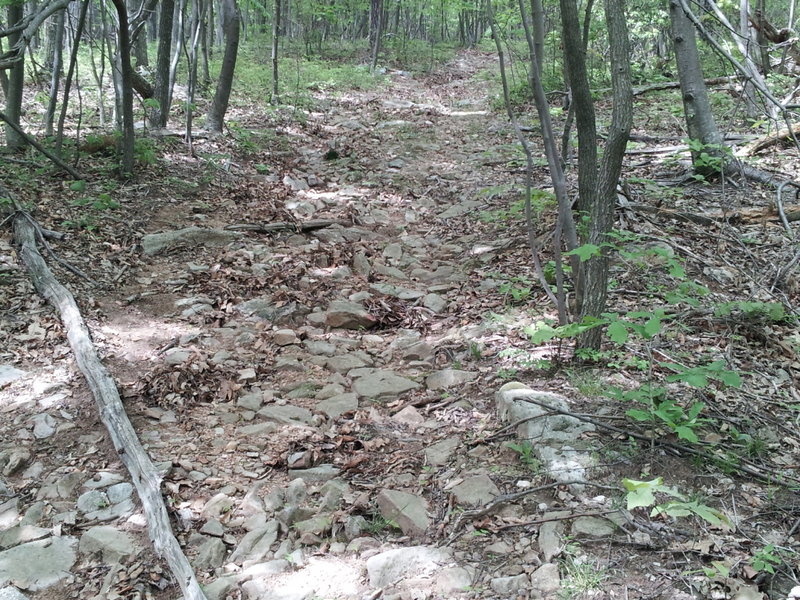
(321,403)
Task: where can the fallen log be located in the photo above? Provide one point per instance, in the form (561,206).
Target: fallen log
(746,216)
(112,412)
(300,227)
(767,141)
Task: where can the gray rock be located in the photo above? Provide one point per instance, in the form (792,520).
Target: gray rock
(320,348)
(103,479)
(397,291)
(458,210)
(397,103)
(262,308)
(14,459)
(111,543)
(20,534)
(434,303)
(345,363)
(262,538)
(545,581)
(393,250)
(210,555)
(448,378)
(348,315)
(289,363)
(219,588)
(155,243)
(257,429)
(286,414)
(418,351)
(38,565)
(11,593)
(551,535)
(119,492)
(338,405)
(380,384)
(475,491)
(594,527)
(9,374)
(296,492)
(92,500)
(451,580)
(44,426)
(251,401)
(315,474)
(409,511)
(409,416)
(509,586)
(329,391)
(177,356)
(213,527)
(332,493)
(285,337)
(318,525)
(388,271)
(217,505)
(440,452)
(393,566)
(115,511)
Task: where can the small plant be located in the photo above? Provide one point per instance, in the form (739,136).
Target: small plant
(377,524)
(767,559)
(526,457)
(581,576)
(643,494)
(516,290)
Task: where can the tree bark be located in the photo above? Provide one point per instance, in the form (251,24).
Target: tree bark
(700,123)
(16,81)
(56,66)
(123,64)
(159,115)
(231,20)
(375,32)
(276,31)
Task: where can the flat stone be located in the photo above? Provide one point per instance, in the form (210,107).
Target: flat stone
(217,505)
(38,565)
(594,527)
(338,405)
(103,479)
(109,542)
(316,474)
(9,374)
(440,452)
(257,429)
(210,554)
(115,511)
(509,586)
(119,492)
(348,315)
(20,534)
(155,243)
(287,414)
(381,384)
(448,378)
(251,401)
(345,363)
(329,391)
(213,527)
(393,566)
(475,491)
(289,363)
(92,500)
(263,308)
(409,416)
(409,511)
(263,537)
(551,535)
(545,581)
(318,525)
(11,593)
(396,291)
(44,426)
(285,337)
(320,348)
(435,303)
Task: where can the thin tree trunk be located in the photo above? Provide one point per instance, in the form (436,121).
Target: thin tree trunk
(276,31)
(700,123)
(16,81)
(375,32)
(73,65)
(160,114)
(123,62)
(56,66)
(231,22)
(177,43)
(198,9)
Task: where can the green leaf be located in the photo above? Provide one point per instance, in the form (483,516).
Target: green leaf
(618,333)
(730,378)
(652,326)
(686,433)
(78,185)
(638,415)
(584,252)
(641,493)
(709,514)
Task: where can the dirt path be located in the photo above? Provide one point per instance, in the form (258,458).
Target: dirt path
(318,401)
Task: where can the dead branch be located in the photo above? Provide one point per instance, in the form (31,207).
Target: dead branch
(311,225)
(53,158)
(111,410)
(671,85)
(769,140)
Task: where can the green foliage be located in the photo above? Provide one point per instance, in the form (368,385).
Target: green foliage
(526,456)
(754,312)
(767,559)
(516,290)
(643,494)
(581,578)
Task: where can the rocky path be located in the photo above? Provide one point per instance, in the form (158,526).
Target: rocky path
(320,403)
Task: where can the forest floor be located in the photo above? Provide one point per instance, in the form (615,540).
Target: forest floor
(301,437)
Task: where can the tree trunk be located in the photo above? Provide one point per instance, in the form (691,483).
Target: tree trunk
(700,123)
(230,22)
(276,31)
(160,114)
(593,275)
(375,32)
(123,61)
(73,66)
(16,81)
(56,66)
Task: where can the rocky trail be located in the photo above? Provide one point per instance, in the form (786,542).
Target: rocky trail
(303,339)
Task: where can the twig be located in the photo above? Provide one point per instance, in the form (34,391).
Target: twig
(565,518)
